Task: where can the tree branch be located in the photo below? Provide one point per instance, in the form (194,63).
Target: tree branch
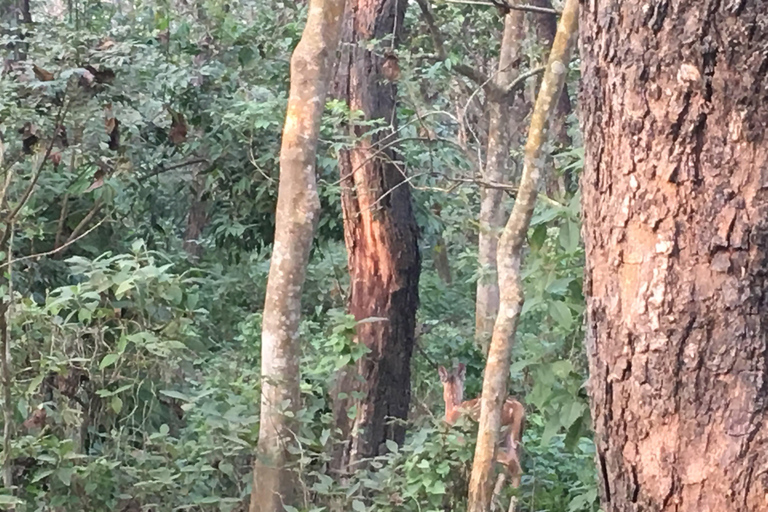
(57,249)
(35,176)
(473,74)
(506,5)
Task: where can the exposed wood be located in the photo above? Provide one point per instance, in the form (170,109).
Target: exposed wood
(381,236)
(298,205)
(674,115)
(509,260)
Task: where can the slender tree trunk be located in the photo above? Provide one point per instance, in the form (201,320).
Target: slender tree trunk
(546,28)
(676,231)
(197,217)
(381,236)
(298,208)
(510,256)
(492,211)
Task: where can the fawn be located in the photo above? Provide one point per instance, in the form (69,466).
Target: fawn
(512,418)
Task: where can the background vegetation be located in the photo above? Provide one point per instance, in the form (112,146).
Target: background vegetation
(143,350)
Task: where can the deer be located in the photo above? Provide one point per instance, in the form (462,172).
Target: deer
(512,420)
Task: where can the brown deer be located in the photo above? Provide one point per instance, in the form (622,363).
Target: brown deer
(512,420)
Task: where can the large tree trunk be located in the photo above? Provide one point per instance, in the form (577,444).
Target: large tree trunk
(381,235)
(510,256)
(492,211)
(675,199)
(298,208)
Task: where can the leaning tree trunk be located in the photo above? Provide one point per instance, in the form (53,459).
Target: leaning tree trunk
(546,29)
(298,208)
(510,256)
(492,211)
(380,232)
(675,199)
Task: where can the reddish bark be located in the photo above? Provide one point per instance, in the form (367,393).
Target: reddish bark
(675,199)
(381,236)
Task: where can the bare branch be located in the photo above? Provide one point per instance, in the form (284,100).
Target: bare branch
(57,249)
(505,5)
(85,220)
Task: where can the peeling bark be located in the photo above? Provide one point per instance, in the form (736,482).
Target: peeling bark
(509,259)
(675,200)
(492,211)
(381,237)
(298,208)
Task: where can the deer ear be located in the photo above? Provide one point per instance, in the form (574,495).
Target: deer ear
(443,373)
(461,371)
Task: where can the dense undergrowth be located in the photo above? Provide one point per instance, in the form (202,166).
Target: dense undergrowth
(136,362)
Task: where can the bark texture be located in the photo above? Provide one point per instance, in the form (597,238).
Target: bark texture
(675,199)
(492,211)
(380,233)
(509,259)
(298,207)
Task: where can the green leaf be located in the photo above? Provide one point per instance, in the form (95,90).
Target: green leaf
(561,369)
(538,237)
(117,404)
(124,287)
(569,236)
(553,426)
(571,412)
(175,394)
(65,475)
(108,360)
(6,499)
(358,506)
(561,313)
(392,446)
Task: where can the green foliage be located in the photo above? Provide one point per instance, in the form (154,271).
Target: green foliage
(145,355)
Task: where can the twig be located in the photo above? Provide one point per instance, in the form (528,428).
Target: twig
(520,80)
(5,355)
(506,5)
(62,218)
(35,176)
(58,249)
(473,74)
(85,220)
(161,168)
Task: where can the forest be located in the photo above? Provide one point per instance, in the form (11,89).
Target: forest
(384,255)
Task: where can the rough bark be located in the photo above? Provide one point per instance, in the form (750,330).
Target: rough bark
(509,259)
(492,212)
(298,205)
(381,236)
(675,199)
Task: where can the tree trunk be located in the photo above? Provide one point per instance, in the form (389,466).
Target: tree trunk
(492,211)
(197,217)
(510,255)
(546,28)
(675,199)
(380,233)
(298,205)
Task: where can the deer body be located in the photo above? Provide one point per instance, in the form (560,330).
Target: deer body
(512,417)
